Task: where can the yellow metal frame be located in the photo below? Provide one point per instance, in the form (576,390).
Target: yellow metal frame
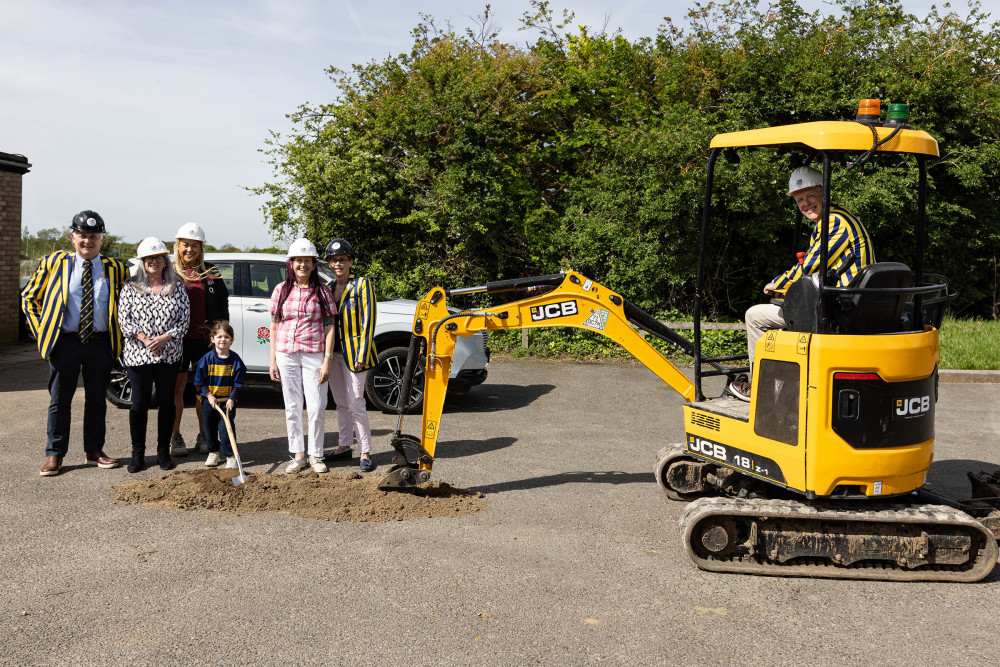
(830,135)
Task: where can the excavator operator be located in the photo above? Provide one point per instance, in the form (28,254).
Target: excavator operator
(850,250)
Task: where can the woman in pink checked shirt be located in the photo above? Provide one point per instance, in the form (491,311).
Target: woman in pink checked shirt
(302,310)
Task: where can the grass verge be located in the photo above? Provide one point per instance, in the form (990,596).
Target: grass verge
(970,344)
(965,345)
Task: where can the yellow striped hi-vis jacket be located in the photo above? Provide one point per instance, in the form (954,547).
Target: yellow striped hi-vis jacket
(356,317)
(43,299)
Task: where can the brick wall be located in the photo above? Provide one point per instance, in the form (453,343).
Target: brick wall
(12,168)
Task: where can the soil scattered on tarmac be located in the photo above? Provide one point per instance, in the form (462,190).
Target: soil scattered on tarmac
(329,497)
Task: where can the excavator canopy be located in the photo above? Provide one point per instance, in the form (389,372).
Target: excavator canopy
(830,136)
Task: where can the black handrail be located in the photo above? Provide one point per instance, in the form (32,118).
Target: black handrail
(923,289)
(699,279)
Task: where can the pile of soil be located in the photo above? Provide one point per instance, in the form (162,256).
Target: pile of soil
(329,497)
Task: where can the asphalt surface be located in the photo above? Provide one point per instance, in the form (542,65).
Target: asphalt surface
(576,559)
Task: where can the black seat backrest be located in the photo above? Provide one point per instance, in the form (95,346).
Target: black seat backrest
(861,314)
(801,306)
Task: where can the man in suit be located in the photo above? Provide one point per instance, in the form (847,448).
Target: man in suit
(71,308)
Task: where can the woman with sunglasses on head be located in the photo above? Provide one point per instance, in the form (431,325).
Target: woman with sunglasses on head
(153,312)
(302,312)
(209,300)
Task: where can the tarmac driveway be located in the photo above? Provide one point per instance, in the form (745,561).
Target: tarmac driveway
(576,559)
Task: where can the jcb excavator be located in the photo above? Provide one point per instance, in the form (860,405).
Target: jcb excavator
(820,474)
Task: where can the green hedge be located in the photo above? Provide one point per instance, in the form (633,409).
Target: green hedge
(472,158)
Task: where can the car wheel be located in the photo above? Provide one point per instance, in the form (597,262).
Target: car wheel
(119,391)
(385,381)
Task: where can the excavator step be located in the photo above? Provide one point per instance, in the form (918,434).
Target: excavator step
(895,542)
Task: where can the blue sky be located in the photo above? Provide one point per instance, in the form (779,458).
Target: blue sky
(153,113)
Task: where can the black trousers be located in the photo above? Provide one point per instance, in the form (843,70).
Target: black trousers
(68,359)
(143,379)
(216,434)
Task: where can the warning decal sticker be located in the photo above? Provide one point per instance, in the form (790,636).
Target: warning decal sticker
(597,320)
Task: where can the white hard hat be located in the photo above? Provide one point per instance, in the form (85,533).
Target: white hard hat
(191,231)
(151,246)
(302,248)
(804,177)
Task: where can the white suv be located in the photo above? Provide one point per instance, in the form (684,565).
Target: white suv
(251,277)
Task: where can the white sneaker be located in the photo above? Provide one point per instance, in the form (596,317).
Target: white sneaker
(200,444)
(318,465)
(177,446)
(231,463)
(295,465)
(212,460)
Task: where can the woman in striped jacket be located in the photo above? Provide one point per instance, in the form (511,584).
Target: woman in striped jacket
(353,352)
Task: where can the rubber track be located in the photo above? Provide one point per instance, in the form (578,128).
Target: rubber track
(742,509)
(663,458)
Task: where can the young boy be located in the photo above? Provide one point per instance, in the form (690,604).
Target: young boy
(219,377)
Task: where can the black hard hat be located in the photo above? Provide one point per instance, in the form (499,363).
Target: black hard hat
(88,221)
(338,247)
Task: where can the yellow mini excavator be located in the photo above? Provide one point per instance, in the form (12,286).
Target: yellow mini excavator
(820,474)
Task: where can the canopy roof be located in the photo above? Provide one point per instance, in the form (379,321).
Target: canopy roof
(830,136)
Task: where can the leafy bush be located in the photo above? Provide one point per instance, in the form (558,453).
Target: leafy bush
(472,159)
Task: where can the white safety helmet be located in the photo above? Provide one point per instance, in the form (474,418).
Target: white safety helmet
(302,248)
(802,178)
(151,246)
(191,231)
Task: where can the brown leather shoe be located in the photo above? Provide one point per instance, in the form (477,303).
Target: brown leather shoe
(51,467)
(99,459)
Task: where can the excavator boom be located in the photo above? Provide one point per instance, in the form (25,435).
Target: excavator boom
(571,300)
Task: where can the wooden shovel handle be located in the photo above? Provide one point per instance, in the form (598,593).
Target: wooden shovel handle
(229,429)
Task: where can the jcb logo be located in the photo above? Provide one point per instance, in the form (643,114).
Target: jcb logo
(708,448)
(912,407)
(561,309)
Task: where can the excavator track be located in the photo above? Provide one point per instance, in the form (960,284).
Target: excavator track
(895,542)
(680,475)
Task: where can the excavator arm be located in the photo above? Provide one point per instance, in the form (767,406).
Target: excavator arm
(572,300)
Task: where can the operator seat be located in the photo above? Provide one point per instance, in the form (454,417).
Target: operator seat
(851,314)
(865,314)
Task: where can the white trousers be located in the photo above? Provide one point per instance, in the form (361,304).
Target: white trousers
(300,379)
(348,390)
(760,318)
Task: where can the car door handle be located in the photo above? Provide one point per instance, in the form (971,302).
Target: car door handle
(259,308)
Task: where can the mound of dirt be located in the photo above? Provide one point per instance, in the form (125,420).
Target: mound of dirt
(329,497)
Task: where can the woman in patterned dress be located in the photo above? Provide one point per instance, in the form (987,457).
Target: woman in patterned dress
(154,312)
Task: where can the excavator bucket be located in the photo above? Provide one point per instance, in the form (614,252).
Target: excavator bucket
(402,478)
(406,474)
